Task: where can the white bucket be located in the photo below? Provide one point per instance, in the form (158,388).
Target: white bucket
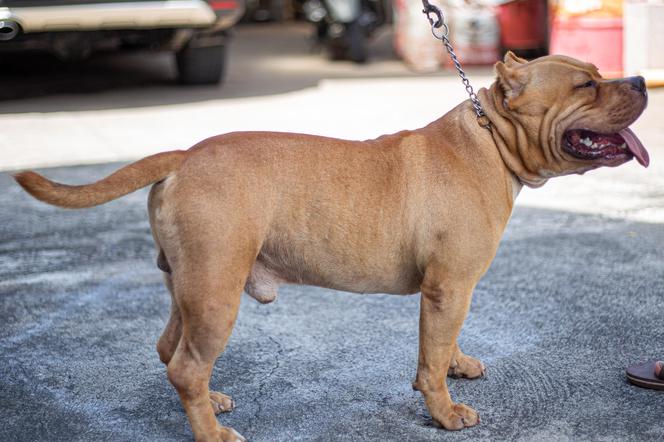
(476,35)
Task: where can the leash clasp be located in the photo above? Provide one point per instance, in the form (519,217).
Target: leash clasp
(430,10)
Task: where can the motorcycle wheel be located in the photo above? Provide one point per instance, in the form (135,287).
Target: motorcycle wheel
(357,43)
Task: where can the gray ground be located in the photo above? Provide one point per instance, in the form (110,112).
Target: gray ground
(569,301)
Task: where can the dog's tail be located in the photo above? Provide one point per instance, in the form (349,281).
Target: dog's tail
(126,180)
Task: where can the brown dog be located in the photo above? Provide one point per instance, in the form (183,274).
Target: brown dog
(419,210)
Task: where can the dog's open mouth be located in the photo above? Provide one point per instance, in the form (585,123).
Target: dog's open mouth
(589,145)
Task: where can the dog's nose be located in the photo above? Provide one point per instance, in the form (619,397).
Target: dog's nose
(638,83)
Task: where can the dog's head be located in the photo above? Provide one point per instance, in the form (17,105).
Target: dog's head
(568,118)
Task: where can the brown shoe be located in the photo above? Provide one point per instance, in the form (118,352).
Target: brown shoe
(647,375)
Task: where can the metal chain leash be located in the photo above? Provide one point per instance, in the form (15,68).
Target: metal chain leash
(437,20)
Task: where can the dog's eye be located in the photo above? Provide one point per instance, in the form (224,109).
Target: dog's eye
(591,83)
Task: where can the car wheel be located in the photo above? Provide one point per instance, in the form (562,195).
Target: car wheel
(201,65)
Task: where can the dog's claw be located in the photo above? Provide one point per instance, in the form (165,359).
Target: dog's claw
(466,367)
(228,434)
(221,403)
(460,416)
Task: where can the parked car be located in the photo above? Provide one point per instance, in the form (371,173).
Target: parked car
(196,31)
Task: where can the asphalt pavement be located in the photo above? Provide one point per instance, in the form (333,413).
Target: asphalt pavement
(568,303)
(574,295)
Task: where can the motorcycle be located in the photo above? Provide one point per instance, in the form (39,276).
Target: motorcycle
(345,26)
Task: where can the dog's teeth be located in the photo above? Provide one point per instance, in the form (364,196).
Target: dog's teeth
(623,146)
(587,142)
(594,146)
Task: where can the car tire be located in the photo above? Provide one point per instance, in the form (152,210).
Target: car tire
(201,65)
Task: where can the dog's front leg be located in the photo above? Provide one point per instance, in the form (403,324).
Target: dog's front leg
(444,305)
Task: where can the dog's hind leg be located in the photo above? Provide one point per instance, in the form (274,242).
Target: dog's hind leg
(208,295)
(170,337)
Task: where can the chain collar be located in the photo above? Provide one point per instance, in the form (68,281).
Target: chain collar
(437,21)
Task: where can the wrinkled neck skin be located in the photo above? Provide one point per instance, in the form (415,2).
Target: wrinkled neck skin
(518,150)
(476,145)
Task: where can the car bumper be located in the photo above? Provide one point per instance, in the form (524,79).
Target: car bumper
(121,15)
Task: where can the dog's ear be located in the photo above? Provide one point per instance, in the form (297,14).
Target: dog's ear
(511,81)
(512,60)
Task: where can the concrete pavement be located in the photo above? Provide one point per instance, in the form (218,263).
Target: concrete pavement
(569,301)
(574,295)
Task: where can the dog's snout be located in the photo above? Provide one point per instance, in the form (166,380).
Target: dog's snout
(638,83)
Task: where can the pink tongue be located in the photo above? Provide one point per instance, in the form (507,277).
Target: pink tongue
(635,146)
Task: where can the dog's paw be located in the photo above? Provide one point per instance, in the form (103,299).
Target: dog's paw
(221,403)
(227,434)
(463,366)
(457,417)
